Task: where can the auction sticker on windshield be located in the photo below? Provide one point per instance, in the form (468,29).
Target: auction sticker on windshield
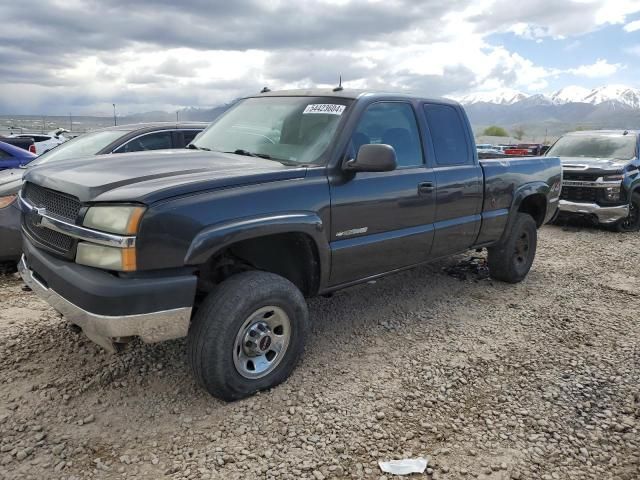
(326,108)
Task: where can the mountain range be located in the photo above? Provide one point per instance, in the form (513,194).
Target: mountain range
(624,95)
(543,116)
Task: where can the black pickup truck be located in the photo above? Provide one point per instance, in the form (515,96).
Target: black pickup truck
(601,177)
(287,195)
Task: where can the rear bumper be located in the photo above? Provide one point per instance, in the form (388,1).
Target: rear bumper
(111,309)
(603,214)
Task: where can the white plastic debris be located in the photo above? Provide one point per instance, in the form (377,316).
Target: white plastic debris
(405,466)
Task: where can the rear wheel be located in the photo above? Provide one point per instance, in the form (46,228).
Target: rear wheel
(632,222)
(247,335)
(511,261)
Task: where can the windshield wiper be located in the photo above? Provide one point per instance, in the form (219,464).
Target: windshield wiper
(247,153)
(191,146)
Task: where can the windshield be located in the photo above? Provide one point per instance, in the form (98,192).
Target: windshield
(87,144)
(287,129)
(595,146)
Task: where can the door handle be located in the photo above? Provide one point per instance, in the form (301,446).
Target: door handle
(425,187)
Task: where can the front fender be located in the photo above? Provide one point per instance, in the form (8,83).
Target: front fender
(214,238)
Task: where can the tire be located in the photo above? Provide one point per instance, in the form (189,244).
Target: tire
(244,323)
(511,261)
(632,222)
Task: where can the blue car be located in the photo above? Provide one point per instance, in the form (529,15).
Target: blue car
(13,157)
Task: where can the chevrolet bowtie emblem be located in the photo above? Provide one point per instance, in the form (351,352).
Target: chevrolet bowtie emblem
(37,215)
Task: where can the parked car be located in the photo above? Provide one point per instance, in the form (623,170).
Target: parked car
(14,157)
(223,243)
(123,138)
(45,141)
(600,177)
(23,143)
(486,150)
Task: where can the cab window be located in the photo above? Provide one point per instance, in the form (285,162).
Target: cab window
(391,123)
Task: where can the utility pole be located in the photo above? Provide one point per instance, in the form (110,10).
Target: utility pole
(177,117)
(70,122)
(114,115)
(43,124)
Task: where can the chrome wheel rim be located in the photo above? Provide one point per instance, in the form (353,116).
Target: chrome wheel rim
(261,342)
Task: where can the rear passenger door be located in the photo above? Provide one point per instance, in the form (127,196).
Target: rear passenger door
(458,180)
(381,221)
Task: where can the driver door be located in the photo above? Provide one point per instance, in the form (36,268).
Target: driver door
(382,221)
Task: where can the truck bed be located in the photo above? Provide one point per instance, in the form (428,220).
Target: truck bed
(504,178)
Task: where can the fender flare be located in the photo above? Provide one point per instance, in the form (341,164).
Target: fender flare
(214,238)
(522,192)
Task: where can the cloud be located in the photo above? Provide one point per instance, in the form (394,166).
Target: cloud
(632,26)
(85,55)
(601,68)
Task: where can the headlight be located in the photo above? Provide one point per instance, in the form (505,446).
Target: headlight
(612,193)
(6,201)
(120,219)
(613,178)
(109,258)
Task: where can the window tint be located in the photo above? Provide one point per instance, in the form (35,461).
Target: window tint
(189,135)
(151,141)
(448,135)
(393,124)
(4,155)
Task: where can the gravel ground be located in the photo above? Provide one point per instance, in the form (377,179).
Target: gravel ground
(539,380)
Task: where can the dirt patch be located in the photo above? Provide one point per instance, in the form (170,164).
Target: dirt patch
(491,381)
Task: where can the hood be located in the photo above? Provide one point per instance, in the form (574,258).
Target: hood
(156,175)
(11,181)
(593,163)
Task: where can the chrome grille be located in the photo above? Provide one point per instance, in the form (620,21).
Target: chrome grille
(580,194)
(57,241)
(57,203)
(582,177)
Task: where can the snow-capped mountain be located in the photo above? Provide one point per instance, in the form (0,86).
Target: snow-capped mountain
(569,94)
(621,94)
(501,96)
(614,93)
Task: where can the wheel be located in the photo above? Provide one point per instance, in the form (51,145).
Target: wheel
(632,222)
(247,335)
(511,261)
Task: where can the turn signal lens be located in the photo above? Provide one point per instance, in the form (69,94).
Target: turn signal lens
(6,201)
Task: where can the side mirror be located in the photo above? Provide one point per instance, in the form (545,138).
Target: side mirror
(375,157)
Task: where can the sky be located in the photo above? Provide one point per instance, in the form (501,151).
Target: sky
(81,56)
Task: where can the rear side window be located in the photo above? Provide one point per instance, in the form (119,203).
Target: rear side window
(4,155)
(391,123)
(189,135)
(151,141)
(448,135)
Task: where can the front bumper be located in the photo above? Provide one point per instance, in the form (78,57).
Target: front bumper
(110,309)
(603,214)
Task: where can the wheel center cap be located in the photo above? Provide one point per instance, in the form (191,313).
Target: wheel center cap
(265,343)
(257,340)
